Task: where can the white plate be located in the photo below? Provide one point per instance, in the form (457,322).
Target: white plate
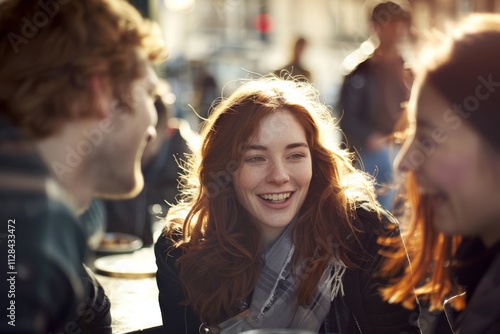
(140,264)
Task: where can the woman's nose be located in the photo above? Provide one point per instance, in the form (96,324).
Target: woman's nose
(278,174)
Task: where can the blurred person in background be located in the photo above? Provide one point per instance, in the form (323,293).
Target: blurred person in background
(275,230)
(452,163)
(373,92)
(206,90)
(74,121)
(295,68)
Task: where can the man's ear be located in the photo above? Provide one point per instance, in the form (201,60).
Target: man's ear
(101,95)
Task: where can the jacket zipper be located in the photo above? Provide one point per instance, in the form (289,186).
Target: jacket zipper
(357,323)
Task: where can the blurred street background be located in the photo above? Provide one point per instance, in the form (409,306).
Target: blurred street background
(212,43)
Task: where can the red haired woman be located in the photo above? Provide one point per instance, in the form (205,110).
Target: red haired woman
(275,230)
(453,161)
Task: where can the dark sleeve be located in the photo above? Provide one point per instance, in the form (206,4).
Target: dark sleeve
(93,314)
(353,107)
(375,314)
(177,318)
(48,250)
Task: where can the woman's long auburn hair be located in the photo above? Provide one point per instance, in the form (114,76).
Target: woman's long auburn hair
(470,51)
(429,252)
(220,266)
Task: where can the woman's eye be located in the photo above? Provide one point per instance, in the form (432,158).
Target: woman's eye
(254,159)
(297,156)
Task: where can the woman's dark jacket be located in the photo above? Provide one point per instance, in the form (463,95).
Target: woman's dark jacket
(479,274)
(360,310)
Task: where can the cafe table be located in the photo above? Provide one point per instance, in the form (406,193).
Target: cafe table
(129,282)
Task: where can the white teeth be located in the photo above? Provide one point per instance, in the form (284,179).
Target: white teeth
(276,197)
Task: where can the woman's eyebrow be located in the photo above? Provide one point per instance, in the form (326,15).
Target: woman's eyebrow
(255,147)
(264,148)
(295,145)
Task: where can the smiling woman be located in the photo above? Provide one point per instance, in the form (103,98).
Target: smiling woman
(452,159)
(288,240)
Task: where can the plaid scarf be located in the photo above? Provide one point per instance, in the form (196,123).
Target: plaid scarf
(274,302)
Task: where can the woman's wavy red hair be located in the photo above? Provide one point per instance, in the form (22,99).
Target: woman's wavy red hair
(220,265)
(469,51)
(429,253)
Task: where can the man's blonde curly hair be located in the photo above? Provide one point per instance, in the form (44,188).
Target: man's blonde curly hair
(51,48)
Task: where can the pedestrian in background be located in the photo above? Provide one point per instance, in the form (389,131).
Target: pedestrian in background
(373,93)
(295,68)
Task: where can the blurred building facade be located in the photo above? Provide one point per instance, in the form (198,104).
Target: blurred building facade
(237,39)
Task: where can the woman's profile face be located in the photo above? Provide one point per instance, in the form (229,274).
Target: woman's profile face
(273,178)
(454,169)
